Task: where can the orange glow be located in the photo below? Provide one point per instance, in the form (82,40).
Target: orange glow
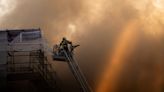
(5,6)
(124,44)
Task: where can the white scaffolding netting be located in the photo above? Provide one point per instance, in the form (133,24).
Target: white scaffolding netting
(26,41)
(23,40)
(28,37)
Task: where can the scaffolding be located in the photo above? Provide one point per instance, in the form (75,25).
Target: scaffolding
(37,63)
(26,55)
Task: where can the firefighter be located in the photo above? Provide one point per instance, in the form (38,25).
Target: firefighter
(64,44)
(73,47)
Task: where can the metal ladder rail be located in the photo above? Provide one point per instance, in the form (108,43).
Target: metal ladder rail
(82,80)
(78,75)
(82,75)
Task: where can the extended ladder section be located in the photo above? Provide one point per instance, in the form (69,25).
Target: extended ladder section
(77,72)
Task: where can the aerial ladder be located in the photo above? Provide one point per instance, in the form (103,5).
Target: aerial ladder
(60,54)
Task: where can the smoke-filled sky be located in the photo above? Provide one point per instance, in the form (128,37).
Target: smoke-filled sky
(122,47)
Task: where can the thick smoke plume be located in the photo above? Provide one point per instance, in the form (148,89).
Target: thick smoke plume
(97,25)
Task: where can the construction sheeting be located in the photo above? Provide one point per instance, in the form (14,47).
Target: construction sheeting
(13,35)
(25,47)
(3,47)
(27,41)
(21,40)
(3,58)
(25,36)
(3,62)
(3,41)
(3,37)
(30,36)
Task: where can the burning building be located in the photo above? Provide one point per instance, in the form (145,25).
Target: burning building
(23,64)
